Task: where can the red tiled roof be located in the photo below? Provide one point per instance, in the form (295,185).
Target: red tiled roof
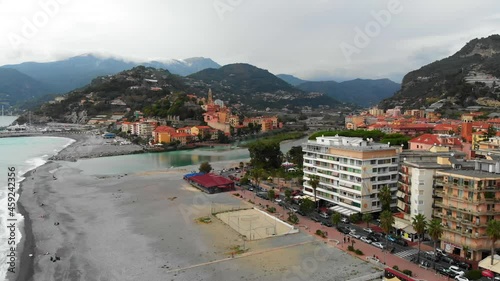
(431,139)
(164,129)
(179,135)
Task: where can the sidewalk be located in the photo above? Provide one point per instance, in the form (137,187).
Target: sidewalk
(308,226)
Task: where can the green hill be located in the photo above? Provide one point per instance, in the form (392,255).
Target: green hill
(250,85)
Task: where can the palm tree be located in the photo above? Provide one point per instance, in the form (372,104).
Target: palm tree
(493,232)
(367,217)
(386,222)
(385,197)
(419,223)
(314,182)
(435,231)
(336,219)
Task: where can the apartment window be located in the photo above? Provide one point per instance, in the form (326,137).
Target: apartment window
(421,202)
(460,193)
(421,182)
(374,170)
(374,204)
(420,192)
(373,162)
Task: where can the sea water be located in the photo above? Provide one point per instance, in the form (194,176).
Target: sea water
(22,154)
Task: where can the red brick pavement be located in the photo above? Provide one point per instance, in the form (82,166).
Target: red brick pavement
(308,226)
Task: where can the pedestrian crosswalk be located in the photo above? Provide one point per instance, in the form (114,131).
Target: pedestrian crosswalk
(407,253)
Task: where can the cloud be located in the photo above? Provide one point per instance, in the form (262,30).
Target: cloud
(300,37)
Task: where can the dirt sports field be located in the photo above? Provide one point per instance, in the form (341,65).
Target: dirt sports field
(255,224)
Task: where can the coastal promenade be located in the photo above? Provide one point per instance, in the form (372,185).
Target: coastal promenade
(335,238)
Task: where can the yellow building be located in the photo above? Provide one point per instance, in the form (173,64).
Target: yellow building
(466,200)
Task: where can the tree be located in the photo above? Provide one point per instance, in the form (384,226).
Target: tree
(419,223)
(205,167)
(367,217)
(271,194)
(386,222)
(288,195)
(314,182)
(385,197)
(256,174)
(336,219)
(296,155)
(265,154)
(493,232)
(355,218)
(435,231)
(307,206)
(293,218)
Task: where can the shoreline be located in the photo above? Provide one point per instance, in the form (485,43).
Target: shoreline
(27,243)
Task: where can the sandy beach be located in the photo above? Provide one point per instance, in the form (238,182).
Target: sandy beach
(145,226)
(91,146)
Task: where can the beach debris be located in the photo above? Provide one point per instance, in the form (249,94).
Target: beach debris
(30,255)
(56,223)
(47,253)
(172,198)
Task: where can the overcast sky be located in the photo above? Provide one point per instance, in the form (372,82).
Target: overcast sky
(311,39)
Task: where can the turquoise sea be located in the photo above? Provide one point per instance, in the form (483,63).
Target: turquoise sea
(22,154)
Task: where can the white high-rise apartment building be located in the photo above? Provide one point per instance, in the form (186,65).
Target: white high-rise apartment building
(351,172)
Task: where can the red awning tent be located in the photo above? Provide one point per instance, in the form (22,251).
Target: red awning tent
(212,180)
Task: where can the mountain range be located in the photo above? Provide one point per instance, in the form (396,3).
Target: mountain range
(159,93)
(258,88)
(37,79)
(62,76)
(469,77)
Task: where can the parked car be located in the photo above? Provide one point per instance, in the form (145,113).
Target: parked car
(378,245)
(456,270)
(315,219)
(373,238)
(324,215)
(449,260)
(431,256)
(440,252)
(301,213)
(327,223)
(343,230)
(391,238)
(464,265)
(445,271)
(353,234)
(278,200)
(367,229)
(461,278)
(365,239)
(344,220)
(425,264)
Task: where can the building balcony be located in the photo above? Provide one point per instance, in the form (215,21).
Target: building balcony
(462,232)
